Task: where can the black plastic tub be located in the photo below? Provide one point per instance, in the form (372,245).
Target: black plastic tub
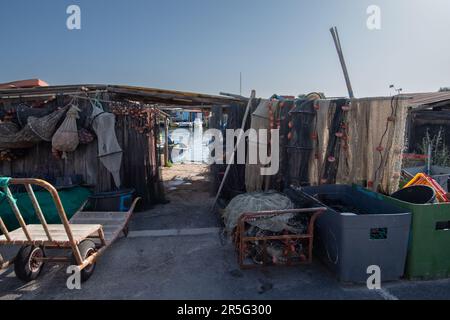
(416,195)
(120,200)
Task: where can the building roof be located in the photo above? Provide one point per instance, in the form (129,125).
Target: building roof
(429,98)
(24,84)
(141,94)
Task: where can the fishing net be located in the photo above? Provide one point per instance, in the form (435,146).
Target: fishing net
(23,112)
(336,143)
(362,145)
(66,137)
(256,201)
(254,181)
(36,130)
(109,150)
(8,128)
(300,142)
(85,136)
(376,142)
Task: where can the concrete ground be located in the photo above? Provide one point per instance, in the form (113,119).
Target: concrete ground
(175,251)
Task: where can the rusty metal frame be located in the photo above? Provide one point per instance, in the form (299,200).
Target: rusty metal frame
(241,239)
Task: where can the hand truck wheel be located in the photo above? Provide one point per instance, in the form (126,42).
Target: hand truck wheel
(27,265)
(87,248)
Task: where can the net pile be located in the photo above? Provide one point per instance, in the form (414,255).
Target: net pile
(256,201)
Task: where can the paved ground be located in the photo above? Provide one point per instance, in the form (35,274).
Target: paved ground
(175,252)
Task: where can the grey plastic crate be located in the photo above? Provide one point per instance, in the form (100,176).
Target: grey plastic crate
(358,230)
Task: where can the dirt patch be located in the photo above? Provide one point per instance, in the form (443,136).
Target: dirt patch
(187,182)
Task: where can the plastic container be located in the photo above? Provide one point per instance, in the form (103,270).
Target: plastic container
(428,252)
(111,201)
(416,194)
(360,230)
(423,179)
(440,174)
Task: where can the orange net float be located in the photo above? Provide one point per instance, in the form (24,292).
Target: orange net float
(290,136)
(346,108)
(380,148)
(331,159)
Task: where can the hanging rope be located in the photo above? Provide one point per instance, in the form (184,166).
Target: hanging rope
(4,182)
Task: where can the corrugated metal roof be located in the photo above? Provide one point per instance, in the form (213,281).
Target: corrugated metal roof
(417,99)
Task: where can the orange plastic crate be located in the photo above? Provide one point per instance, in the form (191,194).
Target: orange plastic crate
(425,180)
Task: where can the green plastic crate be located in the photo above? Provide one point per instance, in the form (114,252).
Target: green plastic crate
(428,252)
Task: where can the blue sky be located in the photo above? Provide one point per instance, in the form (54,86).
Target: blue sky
(281,47)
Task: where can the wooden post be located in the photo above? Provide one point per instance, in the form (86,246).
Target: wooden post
(166,142)
(337,43)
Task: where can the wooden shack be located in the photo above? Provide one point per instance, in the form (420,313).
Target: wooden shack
(137,128)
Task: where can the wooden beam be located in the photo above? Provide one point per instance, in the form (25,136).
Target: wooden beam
(166,142)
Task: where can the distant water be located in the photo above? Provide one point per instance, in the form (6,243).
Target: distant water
(191,145)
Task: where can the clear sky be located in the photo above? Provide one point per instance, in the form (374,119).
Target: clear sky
(281,47)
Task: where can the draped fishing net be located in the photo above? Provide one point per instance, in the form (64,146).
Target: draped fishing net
(109,150)
(370,150)
(300,142)
(254,181)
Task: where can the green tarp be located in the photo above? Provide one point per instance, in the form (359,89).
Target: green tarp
(72,199)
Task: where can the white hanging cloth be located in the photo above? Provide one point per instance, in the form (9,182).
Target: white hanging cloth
(109,150)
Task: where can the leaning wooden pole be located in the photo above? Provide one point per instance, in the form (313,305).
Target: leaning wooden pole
(166,142)
(337,43)
(241,133)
